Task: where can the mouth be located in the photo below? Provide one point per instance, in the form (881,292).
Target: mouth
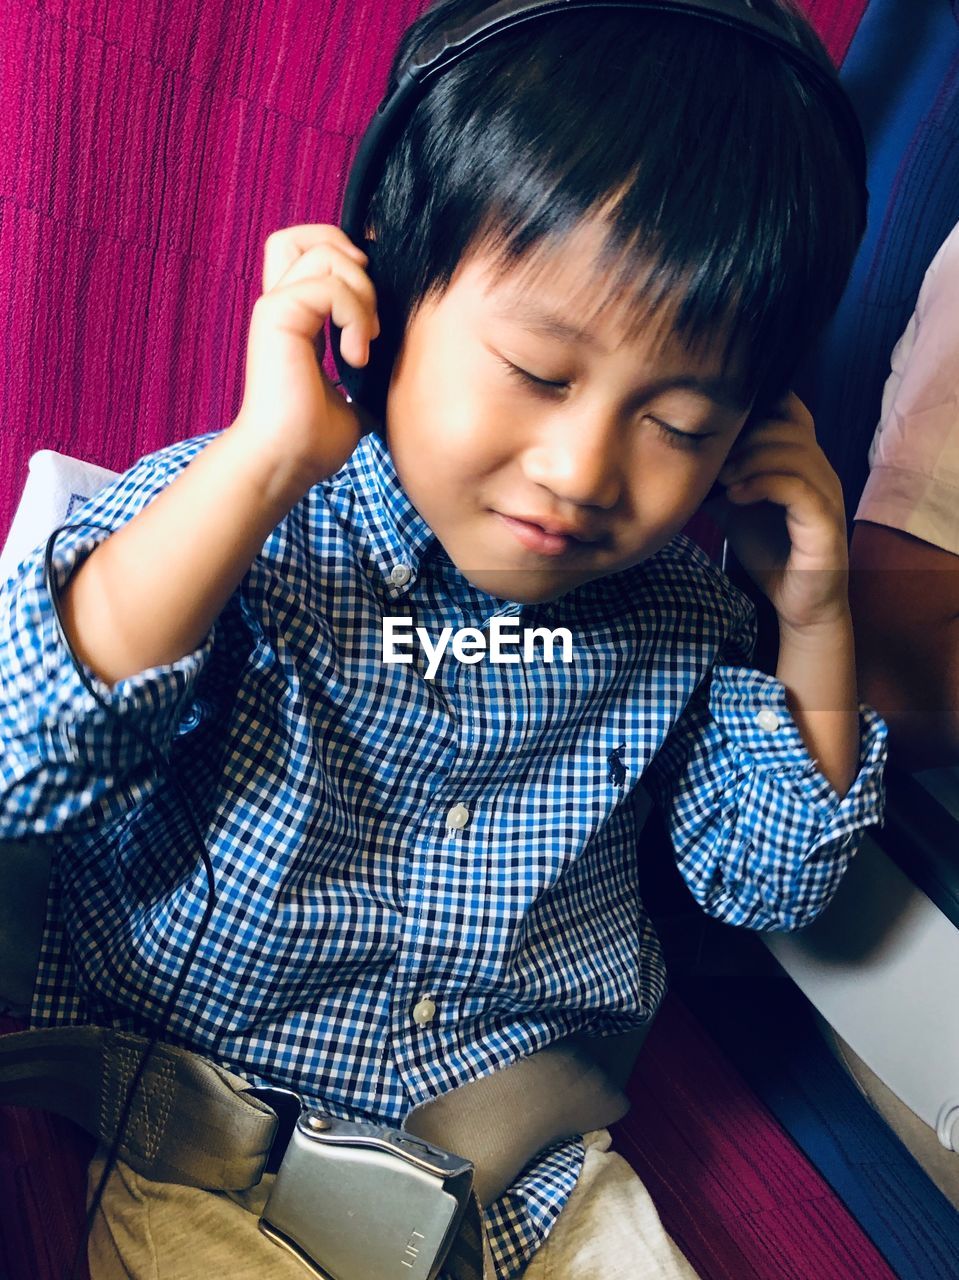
(544,539)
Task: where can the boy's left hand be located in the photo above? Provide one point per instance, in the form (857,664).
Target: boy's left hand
(784,517)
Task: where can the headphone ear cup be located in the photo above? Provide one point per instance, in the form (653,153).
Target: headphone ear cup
(367,386)
(348,376)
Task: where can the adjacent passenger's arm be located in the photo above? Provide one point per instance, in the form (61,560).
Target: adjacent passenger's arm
(904,594)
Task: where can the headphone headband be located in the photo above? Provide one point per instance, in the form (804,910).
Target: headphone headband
(446,47)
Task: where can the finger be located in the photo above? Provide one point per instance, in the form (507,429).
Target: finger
(765,446)
(302,306)
(282,248)
(788,489)
(325,263)
(789,414)
(788,406)
(774,428)
(784,490)
(789,456)
(322,261)
(792,407)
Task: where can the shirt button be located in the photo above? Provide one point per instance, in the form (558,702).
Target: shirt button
(767,719)
(424,1011)
(458,817)
(400,575)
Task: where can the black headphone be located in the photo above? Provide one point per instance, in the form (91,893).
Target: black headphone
(436,54)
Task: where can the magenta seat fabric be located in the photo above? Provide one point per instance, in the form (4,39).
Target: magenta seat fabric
(836,21)
(43,1161)
(146,152)
(737,1195)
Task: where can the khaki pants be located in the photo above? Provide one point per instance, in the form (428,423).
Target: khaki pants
(609,1230)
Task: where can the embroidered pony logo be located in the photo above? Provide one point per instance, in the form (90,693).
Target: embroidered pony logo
(616,767)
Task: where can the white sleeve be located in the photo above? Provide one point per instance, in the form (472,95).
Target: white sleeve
(913,482)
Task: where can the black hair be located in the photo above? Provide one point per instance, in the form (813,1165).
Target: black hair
(727,186)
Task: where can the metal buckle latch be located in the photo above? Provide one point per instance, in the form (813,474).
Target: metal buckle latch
(353,1200)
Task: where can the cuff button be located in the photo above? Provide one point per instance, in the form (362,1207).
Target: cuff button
(767,719)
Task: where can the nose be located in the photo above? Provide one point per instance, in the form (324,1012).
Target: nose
(578,459)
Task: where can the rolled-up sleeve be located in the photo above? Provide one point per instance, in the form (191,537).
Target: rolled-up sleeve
(760,836)
(69,759)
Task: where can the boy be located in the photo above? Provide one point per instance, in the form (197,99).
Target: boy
(424,875)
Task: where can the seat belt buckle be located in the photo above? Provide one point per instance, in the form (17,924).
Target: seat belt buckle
(353,1200)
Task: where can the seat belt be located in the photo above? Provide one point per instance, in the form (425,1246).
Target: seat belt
(197,1124)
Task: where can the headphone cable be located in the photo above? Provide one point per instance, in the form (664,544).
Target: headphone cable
(166,774)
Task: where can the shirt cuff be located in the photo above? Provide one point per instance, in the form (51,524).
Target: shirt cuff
(750,708)
(918,504)
(151,701)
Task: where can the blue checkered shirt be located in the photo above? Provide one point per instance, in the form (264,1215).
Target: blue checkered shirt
(324,779)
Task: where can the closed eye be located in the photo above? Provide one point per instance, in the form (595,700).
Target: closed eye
(677,439)
(530,379)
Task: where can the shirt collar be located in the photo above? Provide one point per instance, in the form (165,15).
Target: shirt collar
(404,545)
(399,536)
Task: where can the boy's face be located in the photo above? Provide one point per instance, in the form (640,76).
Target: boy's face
(534,489)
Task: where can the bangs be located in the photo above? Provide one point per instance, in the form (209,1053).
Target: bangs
(652,297)
(730,211)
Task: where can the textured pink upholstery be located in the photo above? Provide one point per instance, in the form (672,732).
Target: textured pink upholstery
(146,152)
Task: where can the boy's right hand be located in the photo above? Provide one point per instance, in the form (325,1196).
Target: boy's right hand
(291,413)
